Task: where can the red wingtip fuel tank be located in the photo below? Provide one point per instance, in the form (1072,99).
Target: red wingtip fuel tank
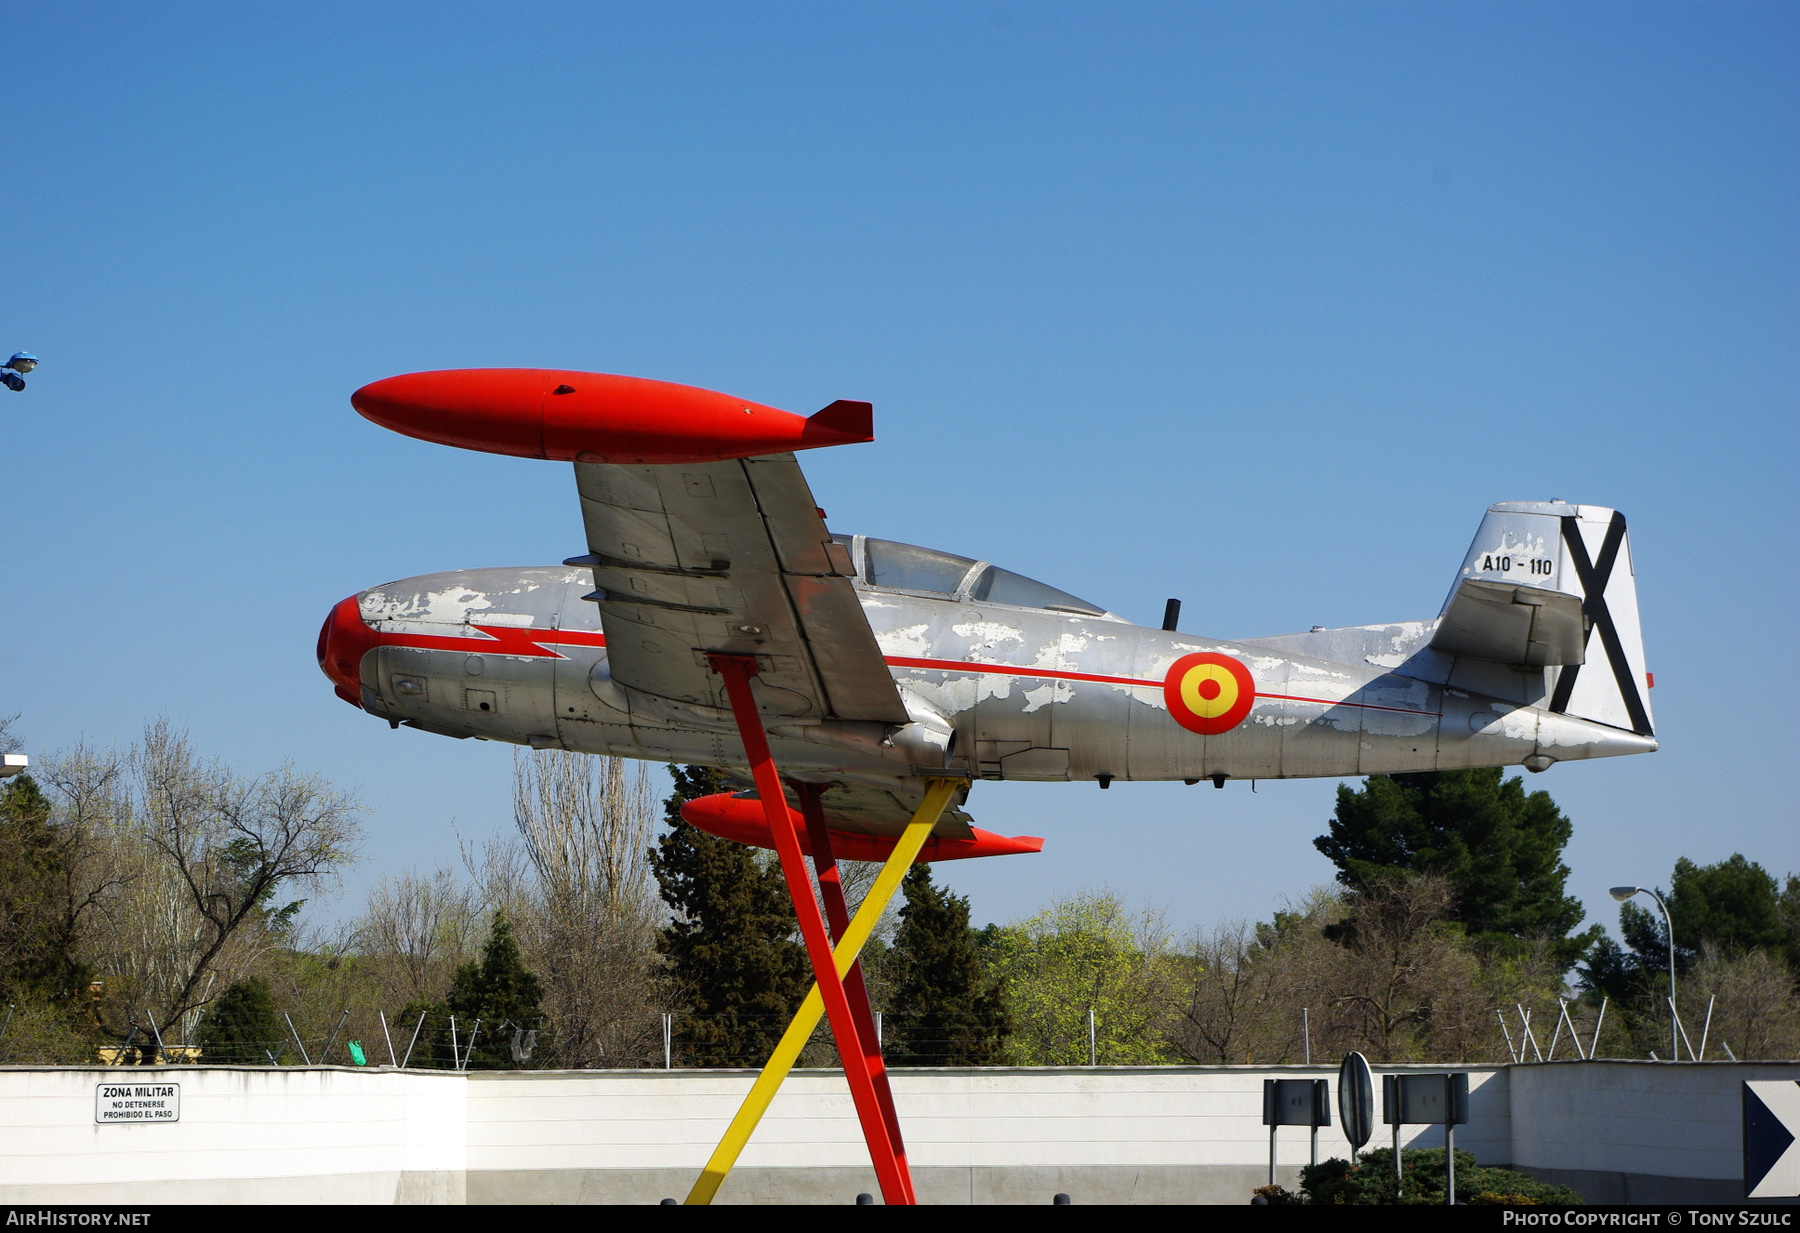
(597,417)
(741,819)
(343,641)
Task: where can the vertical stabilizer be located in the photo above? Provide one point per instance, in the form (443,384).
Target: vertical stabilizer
(1581,551)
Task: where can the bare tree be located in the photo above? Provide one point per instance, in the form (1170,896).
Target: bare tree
(587,920)
(84,787)
(55,880)
(1398,979)
(1380,970)
(586,824)
(1234,998)
(414,930)
(1755,1010)
(216,846)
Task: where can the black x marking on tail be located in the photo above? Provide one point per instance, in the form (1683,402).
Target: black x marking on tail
(1594,575)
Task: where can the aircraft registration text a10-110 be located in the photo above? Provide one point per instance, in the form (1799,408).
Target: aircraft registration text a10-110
(858,687)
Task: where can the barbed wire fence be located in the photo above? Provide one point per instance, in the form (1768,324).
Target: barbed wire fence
(680,1040)
(438,1040)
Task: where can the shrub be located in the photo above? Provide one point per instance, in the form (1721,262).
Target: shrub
(1371,1180)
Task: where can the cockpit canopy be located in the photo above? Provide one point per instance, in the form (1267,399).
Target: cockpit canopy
(908,567)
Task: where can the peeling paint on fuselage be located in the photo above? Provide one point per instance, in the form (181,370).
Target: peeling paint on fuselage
(1079,696)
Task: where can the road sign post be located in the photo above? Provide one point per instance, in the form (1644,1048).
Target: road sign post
(1427,1100)
(1295,1102)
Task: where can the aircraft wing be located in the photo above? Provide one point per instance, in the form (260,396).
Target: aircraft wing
(731,556)
(1526,626)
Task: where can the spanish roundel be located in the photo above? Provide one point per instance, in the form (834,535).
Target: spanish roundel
(1209,693)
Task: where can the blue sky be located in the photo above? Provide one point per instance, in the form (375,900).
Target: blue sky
(1255,305)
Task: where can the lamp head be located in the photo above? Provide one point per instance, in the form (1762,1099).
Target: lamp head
(23,361)
(1622,893)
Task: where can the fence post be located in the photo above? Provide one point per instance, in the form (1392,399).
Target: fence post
(1450,1159)
(878,1031)
(298,1043)
(334,1035)
(392,1060)
(1682,1028)
(417,1027)
(1093,1041)
(668,1026)
(1563,1017)
(1525,1020)
(1306,1035)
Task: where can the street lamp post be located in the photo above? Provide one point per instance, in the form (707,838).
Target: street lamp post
(1622,893)
(11,372)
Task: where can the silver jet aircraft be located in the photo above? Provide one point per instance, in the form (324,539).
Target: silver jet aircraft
(882,665)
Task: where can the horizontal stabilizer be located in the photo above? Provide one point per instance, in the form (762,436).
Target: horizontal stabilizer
(844,422)
(1525,626)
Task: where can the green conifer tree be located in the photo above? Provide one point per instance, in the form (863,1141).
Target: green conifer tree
(1734,907)
(39,908)
(1500,847)
(1731,908)
(1790,923)
(731,947)
(944,1012)
(493,998)
(242,1028)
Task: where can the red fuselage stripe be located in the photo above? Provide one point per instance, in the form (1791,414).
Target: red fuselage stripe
(959,665)
(534,644)
(501,640)
(954,665)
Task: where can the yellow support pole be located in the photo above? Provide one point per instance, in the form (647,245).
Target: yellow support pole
(756,1103)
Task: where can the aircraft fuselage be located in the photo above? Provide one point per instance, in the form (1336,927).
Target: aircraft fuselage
(996,691)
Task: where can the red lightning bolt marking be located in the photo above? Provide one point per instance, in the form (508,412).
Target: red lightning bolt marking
(500,640)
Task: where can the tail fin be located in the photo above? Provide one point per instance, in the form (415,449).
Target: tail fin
(1552,585)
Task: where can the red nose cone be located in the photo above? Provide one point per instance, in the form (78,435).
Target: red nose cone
(596,417)
(343,642)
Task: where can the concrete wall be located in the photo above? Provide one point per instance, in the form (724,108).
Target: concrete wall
(1119,1135)
(1144,1135)
(1636,1132)
(288,1135)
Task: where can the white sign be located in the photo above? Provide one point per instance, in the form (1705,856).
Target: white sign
(137,1102)
(1771,1138)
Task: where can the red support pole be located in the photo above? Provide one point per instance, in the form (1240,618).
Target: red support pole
(837,915)
(890,1166)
